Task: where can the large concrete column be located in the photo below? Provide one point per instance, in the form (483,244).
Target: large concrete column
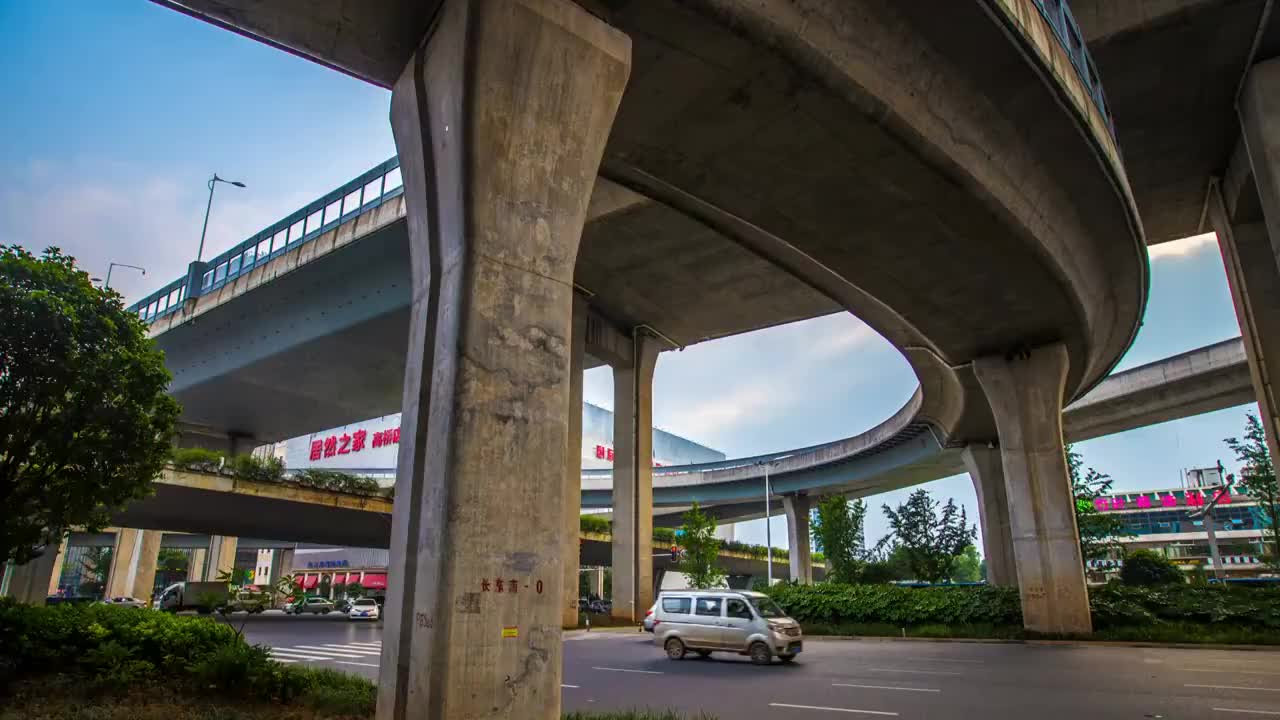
(1250,245)
(195,570)
(986,469)
(1025,393)
(633,481)
(221,556)
(148,557)
(124,563)
(797,508)
(572,502)
(595,581)
(30,583)
(500,120)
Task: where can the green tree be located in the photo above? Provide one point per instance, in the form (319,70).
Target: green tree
(930,540)
(1258,477)
(172,566)
(85,418)
(356,590)
(1145,567)
(968,567)
(1100,532)
(701,549)
(838,535)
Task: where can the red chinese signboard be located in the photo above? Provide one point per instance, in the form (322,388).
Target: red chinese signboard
(1190,498)
(353,442)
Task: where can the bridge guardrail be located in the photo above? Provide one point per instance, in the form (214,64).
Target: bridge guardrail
(366,192)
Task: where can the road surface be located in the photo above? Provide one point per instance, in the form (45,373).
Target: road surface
(843,678)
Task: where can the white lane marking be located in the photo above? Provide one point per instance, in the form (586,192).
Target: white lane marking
(297,655)
(833,709)
(348,662)
(344,651)
(642,672)
(1233,672)
(915,672)
(322,653)
(885,687)
(1250,712)
(1232,687)
(575,687)
(362,644)
(348,648)
(286,661)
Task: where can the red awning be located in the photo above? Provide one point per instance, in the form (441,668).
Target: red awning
(310,581)
(375,581)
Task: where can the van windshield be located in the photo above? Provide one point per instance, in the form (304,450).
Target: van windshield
(766,608)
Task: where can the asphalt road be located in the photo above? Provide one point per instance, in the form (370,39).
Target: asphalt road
(840,678)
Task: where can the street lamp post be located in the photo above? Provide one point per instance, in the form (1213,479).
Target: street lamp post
(213,182)
(113,266)
(768,530)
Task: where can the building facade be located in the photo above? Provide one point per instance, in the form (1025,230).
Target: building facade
(1179,524)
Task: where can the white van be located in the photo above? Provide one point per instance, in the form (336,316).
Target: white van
(742,622)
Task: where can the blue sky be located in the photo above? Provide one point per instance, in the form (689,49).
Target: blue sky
(117,113)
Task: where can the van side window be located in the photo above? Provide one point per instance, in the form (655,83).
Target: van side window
(708,606)
(737,609)
(676,605)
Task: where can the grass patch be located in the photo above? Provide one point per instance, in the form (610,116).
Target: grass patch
(1168,632)
(1181,633)
(61,698)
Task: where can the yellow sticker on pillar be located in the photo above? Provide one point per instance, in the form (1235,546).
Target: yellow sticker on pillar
(510,632)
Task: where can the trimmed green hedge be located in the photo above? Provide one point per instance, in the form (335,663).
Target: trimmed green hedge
(112,648)
(1113,606)
(829,603)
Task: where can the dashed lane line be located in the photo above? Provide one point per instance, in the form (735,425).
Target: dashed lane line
(915,672)
(1247,712)
(885,687)
(348,662)
(626,670)
(833,709)
(1232,687)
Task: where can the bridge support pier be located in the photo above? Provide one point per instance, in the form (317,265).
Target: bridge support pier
(572,543)
(797,508)
(986,469)
(1248,229)
(1025,392)
(32,582)
(633,481)
(133,563)
(500,119)
(221,556)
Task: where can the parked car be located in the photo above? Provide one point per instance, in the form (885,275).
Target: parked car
(125,602)
(742,622)
(203,597)
(649,618)
(311,605)
(364,609)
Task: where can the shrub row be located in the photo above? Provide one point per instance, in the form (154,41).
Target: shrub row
(116,648)
(1113,605)
(271,470)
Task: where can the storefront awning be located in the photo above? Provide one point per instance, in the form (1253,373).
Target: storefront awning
(375,581)
(310,581)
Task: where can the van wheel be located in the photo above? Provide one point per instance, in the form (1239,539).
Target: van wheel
(760,654)
(675,649)
(703,653)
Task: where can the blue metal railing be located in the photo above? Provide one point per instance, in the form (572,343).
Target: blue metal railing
(1058,15)
(365,193)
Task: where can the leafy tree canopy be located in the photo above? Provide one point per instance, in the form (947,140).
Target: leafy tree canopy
(838,534)
(1258,477)
(930,539)
(1099,532)
(85,420)
(701,549)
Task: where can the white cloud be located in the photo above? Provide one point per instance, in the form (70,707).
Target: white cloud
(1183,248)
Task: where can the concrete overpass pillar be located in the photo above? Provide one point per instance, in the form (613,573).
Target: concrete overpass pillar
(195,570)
(633,481)
(500,120)
(797,508)
(572,502)
(32,582)
(986,469)
(1251,248)
(133,563)
(221,556)
(1025,392)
